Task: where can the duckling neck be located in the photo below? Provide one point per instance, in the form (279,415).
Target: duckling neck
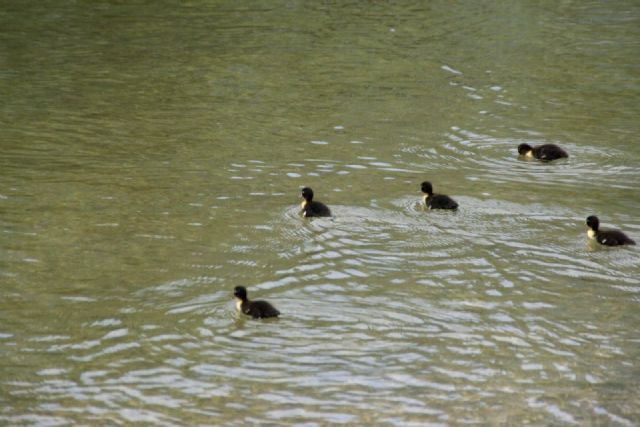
(240,303)
(591,233)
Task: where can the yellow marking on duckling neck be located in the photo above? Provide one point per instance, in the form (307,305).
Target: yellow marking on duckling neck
(424,198)
(529,153)
(591,234)
(239,305)
(303,204)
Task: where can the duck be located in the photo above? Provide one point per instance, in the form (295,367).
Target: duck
(606,237)
(255,309)
(545,152)
(312,208)
(436,201)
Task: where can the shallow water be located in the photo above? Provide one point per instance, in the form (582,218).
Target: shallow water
(152,156)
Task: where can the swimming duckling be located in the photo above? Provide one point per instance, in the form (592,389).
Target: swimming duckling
(436,201)
(255,309)
(311,208)
(546,152)
(606,237)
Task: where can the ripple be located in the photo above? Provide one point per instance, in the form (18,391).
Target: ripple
(496,160)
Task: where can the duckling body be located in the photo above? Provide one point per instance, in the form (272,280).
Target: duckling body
(311,208)
(606,237)
(437,201)
(545,152)
(255,309)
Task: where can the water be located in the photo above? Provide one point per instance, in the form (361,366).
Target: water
(152,156)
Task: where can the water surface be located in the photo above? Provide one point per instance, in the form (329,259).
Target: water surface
(152,156)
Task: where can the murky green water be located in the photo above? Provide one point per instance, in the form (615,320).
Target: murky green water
(151,159)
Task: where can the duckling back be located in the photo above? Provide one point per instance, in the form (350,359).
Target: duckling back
(259,309)
(440,201)
(313,208)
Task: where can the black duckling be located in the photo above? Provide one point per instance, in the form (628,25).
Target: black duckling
(546,152)
(436,201)
(606,237)
(255,309)
(311,208)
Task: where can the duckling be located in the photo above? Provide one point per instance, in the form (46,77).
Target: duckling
(606,237)
(436,201)
(255,309)
(545,152)
(311,208)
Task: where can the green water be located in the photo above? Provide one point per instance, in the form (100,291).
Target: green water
(151,159)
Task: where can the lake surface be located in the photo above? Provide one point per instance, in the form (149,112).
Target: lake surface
(152,155)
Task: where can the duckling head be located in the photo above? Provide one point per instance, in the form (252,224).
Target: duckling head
(593,222)
(240,292)
(307,194)
(524,149)
(427,188)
